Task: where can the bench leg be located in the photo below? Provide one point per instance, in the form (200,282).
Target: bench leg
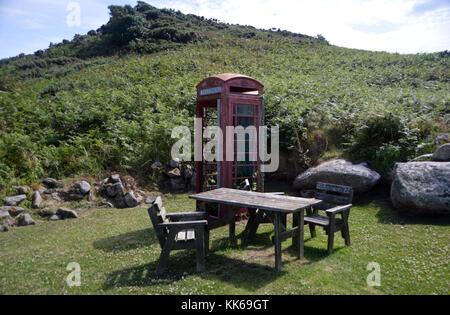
(207,240)
(312,230)
(164,257)
(345,229)
(200,248)
(346,234)
(330,241)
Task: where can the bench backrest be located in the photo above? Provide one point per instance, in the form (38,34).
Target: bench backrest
(334,194)
(157,214)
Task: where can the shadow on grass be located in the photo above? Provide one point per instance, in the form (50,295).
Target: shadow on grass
(127,241)
(240,272)
(388,215)
(219,267)
(380,197)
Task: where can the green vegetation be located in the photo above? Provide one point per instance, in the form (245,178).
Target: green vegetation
(109,99)
(117,251)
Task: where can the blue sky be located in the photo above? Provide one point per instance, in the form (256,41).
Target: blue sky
(404,26)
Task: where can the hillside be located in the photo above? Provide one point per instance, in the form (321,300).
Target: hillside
(108,100)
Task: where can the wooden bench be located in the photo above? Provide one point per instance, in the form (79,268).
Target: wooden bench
(177,231)
(336,199)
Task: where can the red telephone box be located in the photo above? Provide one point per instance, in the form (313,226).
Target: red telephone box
(230,100)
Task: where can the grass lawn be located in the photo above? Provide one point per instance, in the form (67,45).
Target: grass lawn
(118,250)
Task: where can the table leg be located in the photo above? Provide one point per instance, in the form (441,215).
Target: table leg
(277,241)
(294,225)
(301,234)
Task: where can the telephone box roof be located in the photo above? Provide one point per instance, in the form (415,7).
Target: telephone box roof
(225,77)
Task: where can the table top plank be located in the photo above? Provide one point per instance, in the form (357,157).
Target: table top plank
(264,201)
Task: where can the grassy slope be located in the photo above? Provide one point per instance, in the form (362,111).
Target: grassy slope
(113,113)
(118,250)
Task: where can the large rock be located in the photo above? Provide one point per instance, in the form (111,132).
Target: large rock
(442,154)
(442,138)
(66,214)
(131,200)
(36,200)
(15,211)
(21,190)
(188,172)
(421,187)
(174,163)
(52,183)
(115,178)
(15,200)
(174,173)
(339,172)
(83,187)
(156,165)
(4,214)
(72,196)
(12,210)
(46,213)
(114,190)
(177,184)
(25,219)
(7,224)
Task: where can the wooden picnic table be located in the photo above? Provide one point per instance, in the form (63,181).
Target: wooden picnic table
(274,205)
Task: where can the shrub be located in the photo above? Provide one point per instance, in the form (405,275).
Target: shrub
(384,140)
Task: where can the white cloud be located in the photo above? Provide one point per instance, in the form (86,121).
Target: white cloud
(406,26)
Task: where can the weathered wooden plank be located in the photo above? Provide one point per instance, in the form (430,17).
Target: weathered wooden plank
(287,234)
(182,215)
(321,220)
(333,187)
(270,202)
(317,219)
(335,199)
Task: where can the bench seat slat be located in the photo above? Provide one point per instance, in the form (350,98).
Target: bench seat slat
(320,220)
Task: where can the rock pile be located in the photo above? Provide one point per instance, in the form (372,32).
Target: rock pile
(118,191)
(13,215)
(175,176)
(121,191)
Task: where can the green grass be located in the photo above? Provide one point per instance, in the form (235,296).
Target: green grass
(118,250)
